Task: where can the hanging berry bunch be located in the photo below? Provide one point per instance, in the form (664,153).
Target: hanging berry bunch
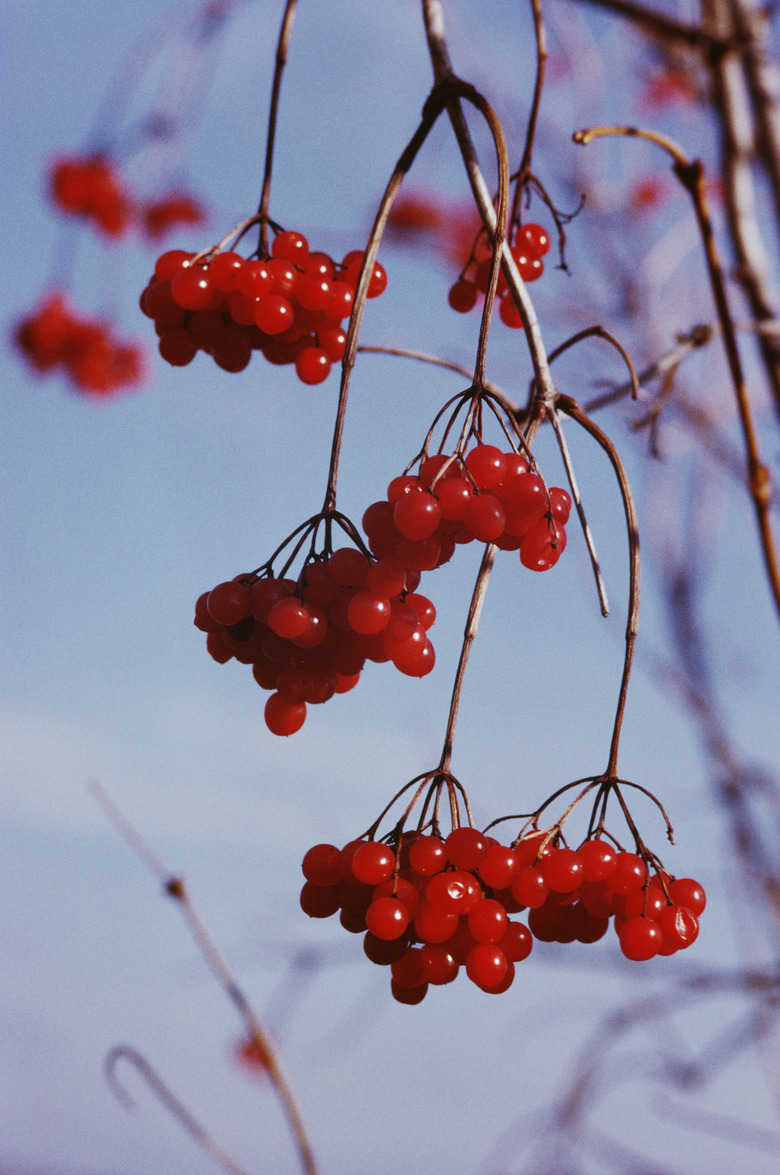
(477,492)
(429,905)
(56,337)
(288,305)
(308,637)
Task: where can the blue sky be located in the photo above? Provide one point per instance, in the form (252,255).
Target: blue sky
(117,516)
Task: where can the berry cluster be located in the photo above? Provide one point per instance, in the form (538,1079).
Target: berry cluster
(433,905)
(309,639)
(487,495)
(528,246)
(93,189)
(55,336)
(289,306)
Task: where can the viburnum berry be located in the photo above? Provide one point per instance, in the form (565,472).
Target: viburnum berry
(373,862)
(640,939)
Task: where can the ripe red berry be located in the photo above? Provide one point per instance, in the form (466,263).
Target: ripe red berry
(373,862)
(312,365)
(462,296)
(387,918)
(283,717)
(640,939)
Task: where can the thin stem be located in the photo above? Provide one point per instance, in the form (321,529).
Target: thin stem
(431,111)
(281,60)
(175,888)
(472,622)
(533,117)
(572,409)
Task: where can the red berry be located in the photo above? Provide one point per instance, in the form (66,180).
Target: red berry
(321,864)
(487,465)
(312,365)
(465,847)
(640,939)
(687,892)
(373,862)
(387,918)
(462,296)
(486,965)
(534,239)
(290,246)
(229,602)
(562,870)
(283,717)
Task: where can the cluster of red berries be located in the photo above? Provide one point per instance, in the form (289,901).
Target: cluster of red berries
(529,245)
(92,188)
(309,639)
(487,495)
(55,336)
(443,904)
(289,306)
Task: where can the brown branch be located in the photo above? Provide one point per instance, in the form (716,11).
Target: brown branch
(176,889)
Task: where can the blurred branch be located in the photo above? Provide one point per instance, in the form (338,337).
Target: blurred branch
(175,888)
(123,1052)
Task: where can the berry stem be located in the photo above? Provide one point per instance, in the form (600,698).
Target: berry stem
(472,622)
(571,408)
(282,46)
(431,111)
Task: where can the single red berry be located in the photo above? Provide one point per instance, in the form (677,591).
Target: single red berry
(498,866)
(486,965)
(487,465)
(290,246)
(433,924)
(462,296)
(373,862)
(488,920)
(312,365)
(427,856)
(640,939)
(534,239)
(283,717)
(684,891)
(387,918)
(465,847)
(321,864)
(542,546)
(229,602)
(516,942)
(562,870)
(319,901)
(598,859)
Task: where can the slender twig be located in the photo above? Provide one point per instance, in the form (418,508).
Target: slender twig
(281,60)
(691,175)
(533,117)
(175,888)
(164,1094)
(431,112)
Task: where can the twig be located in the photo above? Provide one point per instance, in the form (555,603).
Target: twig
(175,888)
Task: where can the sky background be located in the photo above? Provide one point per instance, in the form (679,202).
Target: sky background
(117,515)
